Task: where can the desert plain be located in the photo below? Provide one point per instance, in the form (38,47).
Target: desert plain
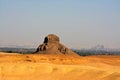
(54,61)
(15,66)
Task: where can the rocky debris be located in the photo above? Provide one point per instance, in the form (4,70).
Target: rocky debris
(52,45)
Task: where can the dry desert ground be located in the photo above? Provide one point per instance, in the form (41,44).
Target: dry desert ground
(58,67)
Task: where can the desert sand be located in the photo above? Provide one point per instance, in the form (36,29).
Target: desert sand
(53,61)
(58,67)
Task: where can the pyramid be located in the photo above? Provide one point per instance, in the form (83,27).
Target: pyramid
(52,45)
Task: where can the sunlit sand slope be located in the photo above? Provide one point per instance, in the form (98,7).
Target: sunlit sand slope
(62,67)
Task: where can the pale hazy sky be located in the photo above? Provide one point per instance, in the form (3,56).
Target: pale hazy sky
(79,23)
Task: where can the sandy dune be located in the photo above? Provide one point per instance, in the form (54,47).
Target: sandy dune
(58,67)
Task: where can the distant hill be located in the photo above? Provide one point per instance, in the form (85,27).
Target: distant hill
(17,50)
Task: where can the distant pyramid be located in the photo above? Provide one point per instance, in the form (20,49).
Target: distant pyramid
(52,45)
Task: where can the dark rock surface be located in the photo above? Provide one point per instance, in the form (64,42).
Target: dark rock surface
(52,45)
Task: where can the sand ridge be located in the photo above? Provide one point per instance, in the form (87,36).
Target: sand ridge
(56,67)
